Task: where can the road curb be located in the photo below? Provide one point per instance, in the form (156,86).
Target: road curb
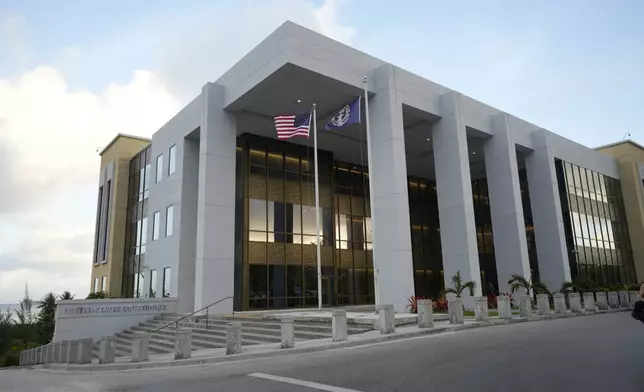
(301,350)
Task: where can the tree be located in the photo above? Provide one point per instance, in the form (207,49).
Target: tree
(518,282)
(460,286)
(47,318)
(66,295)
(25,315)
(99,295)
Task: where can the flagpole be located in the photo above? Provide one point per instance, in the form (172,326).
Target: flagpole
(317,206)
(371,196)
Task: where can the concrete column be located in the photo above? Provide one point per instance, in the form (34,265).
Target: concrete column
(589,301)
(575,302)
(64,351)
(85,350)
(525,306)
(107,350)
(546,212)
(560,303)
(425,313)
(182,344)
(51,352)
(504,307)
(455,310)
(394,277)
(140,345)
(72,354)
(480,309)
(506,208)
(613,300)
(287,332)
(543,304)
(454,190)
(387,319)
(634,297)
(214,266)
(602,300)
(624,301)
(233,338)
(339,325)
(57,351)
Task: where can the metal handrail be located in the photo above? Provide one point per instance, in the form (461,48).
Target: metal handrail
(176,322)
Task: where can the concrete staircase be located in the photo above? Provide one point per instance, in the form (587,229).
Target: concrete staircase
(211,333)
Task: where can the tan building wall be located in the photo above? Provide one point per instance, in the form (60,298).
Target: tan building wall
(119,152)
(630,161)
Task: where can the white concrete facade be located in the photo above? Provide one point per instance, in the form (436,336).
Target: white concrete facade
(201,251)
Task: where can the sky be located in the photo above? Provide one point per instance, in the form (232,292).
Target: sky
(73,74)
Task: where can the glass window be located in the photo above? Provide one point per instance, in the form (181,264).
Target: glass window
(104,284)
(144,234)
(167,275)
(96,285)
(159,172)
(169,221)
(308,220)
(172,160)
(156,225)
(153,283)
(148,173)
(257,212)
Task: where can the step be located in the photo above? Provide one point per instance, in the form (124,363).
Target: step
(206,337)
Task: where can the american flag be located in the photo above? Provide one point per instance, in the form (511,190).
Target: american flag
(290,125)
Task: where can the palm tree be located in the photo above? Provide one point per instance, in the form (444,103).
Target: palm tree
(66,295)
(5,317)
(46,318)
(460,286)
(518,282)
(25,316)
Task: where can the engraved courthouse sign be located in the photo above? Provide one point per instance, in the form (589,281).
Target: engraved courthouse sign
(116,309)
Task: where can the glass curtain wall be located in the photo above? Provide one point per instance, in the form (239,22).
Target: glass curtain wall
(599,247)
(136,228)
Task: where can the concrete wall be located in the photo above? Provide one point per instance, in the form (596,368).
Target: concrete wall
(172,191)
(115,166)
(77,319)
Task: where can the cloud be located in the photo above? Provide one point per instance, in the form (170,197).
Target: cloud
(13,39)
(49,131)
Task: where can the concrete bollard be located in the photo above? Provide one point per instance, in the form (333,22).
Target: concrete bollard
(613,300)
(425,313)
(34,356)
(481,311)
(51,352)
(233,338)
(455,310)
(575,302)
(543,304)
(57,350)
(64,349)
(43,354)
(21,358)
(560,303)
(287,332)
(107,350)
(589,301)
(72,355)
(28,357)
(602,300)
(633,297)
(182,344)
(525,306)
(85,350)
(140,346)
(504,307)
(339,325)
(624,301)
(387,319)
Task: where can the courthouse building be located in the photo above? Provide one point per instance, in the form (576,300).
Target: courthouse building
(214,206)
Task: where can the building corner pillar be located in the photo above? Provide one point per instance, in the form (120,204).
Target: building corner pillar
(550,237)
(214,264)
(392,233)
(454,190)
(506,208)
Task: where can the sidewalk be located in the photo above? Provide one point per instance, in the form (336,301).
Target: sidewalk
(267,350)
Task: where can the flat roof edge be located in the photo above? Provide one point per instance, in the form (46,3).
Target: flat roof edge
(119,135)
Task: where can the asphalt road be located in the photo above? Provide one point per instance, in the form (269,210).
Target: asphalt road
(598,353)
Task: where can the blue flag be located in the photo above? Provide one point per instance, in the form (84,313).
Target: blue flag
(349,114)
